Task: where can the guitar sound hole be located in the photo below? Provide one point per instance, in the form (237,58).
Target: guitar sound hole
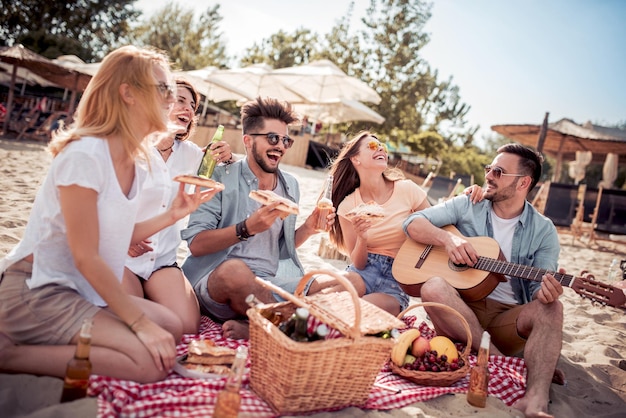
(457,267)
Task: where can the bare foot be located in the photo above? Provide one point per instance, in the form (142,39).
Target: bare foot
(236,329)
(531,409)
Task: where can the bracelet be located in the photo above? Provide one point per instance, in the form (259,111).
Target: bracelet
(242,231)
(230,160)
(130,326)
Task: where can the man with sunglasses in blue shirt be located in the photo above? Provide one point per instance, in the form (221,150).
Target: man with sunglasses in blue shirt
(521,315)
(235,238)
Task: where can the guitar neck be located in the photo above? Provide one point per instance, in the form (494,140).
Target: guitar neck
(519,270)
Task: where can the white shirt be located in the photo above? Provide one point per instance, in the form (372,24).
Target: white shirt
(503,230)
(85,163)
(156,197)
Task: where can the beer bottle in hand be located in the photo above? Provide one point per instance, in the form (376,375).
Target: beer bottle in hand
(228,400)
(207,165)
(78,368)
(325,204)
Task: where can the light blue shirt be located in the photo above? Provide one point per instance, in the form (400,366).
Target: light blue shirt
(230,207)
(535,240)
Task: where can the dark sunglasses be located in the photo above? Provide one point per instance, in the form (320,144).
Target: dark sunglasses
(273,139)
(497,172)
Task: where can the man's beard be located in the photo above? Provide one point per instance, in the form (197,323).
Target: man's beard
(503,194)
(258,158)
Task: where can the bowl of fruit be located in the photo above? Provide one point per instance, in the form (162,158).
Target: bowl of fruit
(434,362)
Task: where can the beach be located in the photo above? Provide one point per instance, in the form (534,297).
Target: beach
(594,338)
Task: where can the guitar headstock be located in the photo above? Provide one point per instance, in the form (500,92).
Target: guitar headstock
(599,292)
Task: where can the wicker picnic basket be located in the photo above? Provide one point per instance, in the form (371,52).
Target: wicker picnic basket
(437,378)
(295,377)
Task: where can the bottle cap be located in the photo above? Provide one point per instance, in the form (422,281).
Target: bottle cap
(485,340)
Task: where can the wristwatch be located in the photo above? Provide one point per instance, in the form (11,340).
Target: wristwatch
(242,231)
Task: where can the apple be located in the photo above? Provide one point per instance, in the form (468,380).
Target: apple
(419,346)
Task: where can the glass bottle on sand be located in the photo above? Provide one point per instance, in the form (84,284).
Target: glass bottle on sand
(479,375)
(207,165)
(325,204)
(229,400)
(78,368)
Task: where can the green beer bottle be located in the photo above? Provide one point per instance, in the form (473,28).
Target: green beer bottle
(208,163)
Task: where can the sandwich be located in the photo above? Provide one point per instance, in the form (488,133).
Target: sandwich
(371,211)
(206,353)
(199,181)
(266,197)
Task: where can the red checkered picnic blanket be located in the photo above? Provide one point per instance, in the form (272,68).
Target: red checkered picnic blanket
(188,397)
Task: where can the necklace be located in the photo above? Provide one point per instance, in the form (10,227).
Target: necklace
(166,149)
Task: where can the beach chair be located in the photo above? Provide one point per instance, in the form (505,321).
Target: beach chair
(609,215)
(441,189)
(561,202)
(43,131)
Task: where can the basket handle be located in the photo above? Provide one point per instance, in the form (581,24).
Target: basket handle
(297,297)
(468,346)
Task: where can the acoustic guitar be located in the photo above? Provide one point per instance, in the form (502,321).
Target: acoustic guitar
(415,263)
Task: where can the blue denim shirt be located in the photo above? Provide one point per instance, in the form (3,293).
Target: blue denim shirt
(228,208)
(535,240)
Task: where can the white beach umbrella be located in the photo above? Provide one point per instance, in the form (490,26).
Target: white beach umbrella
(322,81)
(339,111)
(255,80)
(214,90)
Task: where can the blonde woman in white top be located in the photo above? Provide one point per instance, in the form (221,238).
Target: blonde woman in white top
(69,265)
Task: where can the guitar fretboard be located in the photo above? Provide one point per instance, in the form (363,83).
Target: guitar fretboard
(519,270)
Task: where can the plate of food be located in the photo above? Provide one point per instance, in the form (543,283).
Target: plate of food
(199,181)
(266,197)
(205,360)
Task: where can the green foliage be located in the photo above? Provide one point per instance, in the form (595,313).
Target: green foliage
(191,44)
(465,160)
(86,29)
(283,49)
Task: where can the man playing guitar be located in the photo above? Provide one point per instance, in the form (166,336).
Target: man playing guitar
(520,315)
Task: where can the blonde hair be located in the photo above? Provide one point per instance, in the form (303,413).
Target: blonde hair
(102,112)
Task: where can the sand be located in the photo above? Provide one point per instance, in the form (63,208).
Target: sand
(594,339)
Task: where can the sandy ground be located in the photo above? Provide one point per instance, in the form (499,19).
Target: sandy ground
(594,336)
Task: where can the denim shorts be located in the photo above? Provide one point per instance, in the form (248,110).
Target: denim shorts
(378,278)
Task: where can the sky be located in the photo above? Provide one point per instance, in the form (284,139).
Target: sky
(512,60)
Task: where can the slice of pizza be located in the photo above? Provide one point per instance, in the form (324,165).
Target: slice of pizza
(266,197)
(199,181)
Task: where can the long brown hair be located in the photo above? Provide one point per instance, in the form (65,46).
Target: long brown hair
(185,84)
(102,111)
(346,180)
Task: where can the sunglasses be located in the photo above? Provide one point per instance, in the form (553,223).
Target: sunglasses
(497,172)
(273,139)
(374,145)
(167,91)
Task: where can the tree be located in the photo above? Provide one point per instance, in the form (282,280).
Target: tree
(53,27)
(283,49)
(414,99)
(190,44)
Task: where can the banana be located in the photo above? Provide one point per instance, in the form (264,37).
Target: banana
(401,346)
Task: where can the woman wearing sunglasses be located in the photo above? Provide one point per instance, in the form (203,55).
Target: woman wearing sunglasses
(68,266)
(151,269)
(361,175)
